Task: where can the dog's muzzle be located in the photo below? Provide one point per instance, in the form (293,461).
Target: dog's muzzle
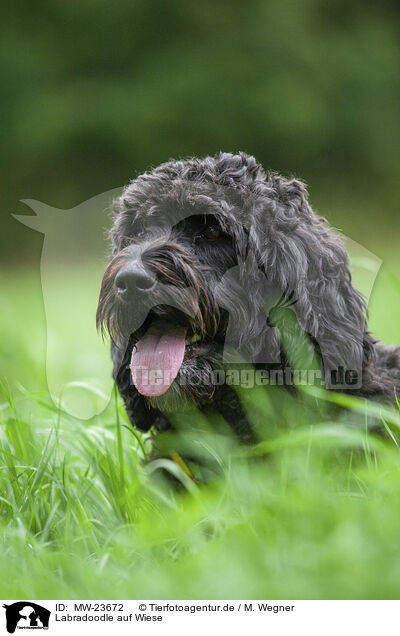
(159,296)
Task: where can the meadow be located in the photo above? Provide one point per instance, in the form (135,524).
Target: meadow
(311,89)
(312,511)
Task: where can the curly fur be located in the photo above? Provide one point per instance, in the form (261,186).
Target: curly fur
(291,298)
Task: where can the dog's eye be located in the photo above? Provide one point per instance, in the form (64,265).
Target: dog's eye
(212,232)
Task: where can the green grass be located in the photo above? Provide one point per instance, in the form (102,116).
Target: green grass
(312,511)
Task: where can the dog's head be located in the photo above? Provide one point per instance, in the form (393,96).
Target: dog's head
(202,251)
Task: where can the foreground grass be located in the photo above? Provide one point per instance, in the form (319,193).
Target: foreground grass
(312,512)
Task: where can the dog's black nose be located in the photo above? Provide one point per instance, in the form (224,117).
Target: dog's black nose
(132,279)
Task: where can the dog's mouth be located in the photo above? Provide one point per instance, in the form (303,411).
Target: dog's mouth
(160,352)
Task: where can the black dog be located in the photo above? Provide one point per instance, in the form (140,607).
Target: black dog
(219,267)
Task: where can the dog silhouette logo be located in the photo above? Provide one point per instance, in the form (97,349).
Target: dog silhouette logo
(26,615)
(272,314)
(78,381)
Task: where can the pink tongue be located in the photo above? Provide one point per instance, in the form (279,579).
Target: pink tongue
(157,358)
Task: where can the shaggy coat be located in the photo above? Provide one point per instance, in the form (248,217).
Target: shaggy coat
(235,258)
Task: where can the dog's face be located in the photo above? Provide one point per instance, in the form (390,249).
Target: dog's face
(160,299)
(203,251)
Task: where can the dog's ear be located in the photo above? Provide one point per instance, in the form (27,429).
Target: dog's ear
(302,255)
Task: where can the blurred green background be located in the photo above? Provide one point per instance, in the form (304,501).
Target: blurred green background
(95,92)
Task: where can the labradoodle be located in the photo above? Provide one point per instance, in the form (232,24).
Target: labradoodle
(221,272)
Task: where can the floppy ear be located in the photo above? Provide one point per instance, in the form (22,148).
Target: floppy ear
(301,254)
